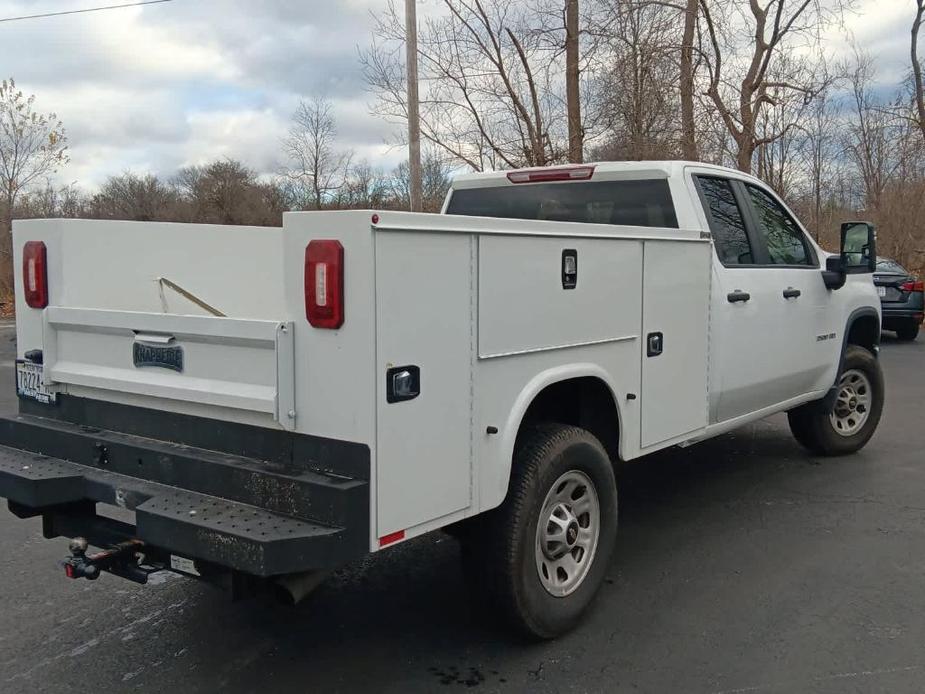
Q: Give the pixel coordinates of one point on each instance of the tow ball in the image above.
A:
(123, 559)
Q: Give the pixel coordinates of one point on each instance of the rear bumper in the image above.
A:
(913, 313)
(255, 516)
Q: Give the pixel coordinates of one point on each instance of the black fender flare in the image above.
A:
(828, 402)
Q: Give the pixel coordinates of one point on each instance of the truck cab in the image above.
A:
(269, 404)
(776, 325)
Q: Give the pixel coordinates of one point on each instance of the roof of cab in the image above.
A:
(603, 171)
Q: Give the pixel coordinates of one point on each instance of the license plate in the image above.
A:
(881, 291)
(29, 382)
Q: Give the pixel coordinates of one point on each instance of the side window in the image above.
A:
(726, 222)
(785, 242)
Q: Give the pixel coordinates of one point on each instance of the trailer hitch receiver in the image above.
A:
(121, 559)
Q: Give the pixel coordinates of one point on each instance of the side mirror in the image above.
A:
(858, 248)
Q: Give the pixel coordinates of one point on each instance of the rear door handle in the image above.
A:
(737, 296)
(791, 293)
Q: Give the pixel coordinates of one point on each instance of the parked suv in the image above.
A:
(901, 298)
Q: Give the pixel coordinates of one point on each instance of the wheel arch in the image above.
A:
(590, 401)
(862, 329)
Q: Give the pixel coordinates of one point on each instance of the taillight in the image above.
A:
(35, 274)
(913, 286)
(562, 173)
(324, 283)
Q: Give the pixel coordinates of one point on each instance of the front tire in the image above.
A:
(848, 426)
(907, 331)
(540, 558)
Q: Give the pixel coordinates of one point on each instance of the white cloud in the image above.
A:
(188, 81)
(881, 28)
(249, 135)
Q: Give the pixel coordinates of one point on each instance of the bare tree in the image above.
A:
(436, 179)
(638, 91)
(776, 157)
(32, 146)
(780, 129)
(869, 135)
(367, 187)
(315, 163)
(781, 56)
(918, 87)
(49, 201)
(819, 150)
(130, 196)
(490, 82)
(227, 192)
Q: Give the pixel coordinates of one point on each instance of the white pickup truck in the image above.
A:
(268, 404)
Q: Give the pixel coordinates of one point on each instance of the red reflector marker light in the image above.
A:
(35, 274)
(391, 537)
(563, 173)
(324, 284)
(913, 286)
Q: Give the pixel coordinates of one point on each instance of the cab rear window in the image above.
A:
(644, 203)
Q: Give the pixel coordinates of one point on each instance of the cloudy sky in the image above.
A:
(187, 81)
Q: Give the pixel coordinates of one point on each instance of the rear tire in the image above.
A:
(539, 559)
(848, 426)
(907, 331)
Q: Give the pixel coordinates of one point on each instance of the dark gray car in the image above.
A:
(901, 298)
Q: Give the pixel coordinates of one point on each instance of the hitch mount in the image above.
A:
(125, 559)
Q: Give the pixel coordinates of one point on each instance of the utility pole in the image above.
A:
(414, 122)
(572, 94)
(688, 125)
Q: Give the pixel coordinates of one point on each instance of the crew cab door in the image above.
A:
(768, 297)
(791, 265)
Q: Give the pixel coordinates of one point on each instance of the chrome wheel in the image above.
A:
(567, 533)
(853, 403)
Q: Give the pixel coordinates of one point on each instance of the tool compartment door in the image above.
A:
(676, 311)
(424, 319)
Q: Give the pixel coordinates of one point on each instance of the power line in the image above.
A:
(88, 9)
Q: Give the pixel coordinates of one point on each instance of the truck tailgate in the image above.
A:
(233, 363)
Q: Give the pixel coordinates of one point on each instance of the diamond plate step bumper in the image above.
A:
(249, 515)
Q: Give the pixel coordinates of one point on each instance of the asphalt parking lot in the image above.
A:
(743, 565)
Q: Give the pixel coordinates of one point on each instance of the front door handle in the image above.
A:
(791, 293)
(737, 296)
